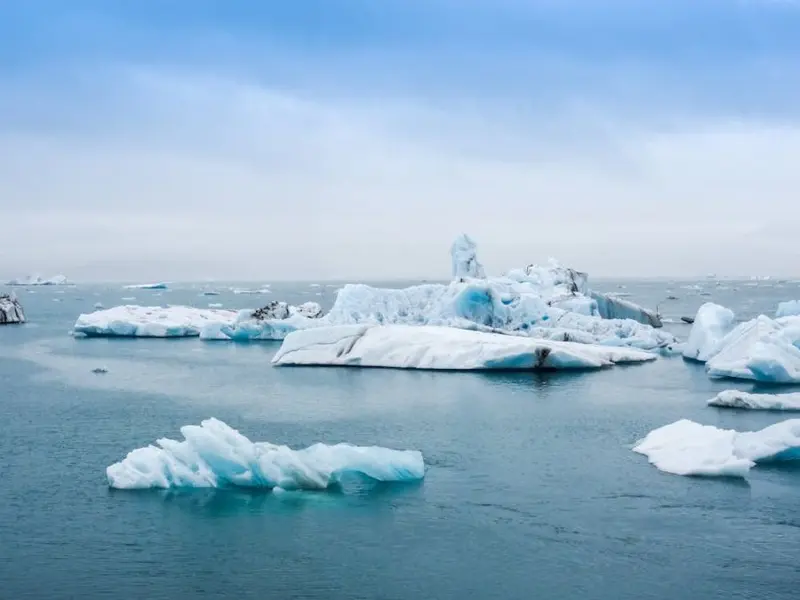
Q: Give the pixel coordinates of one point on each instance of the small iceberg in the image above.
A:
(709, 327)
(274, 321)
(688, 448)
(10, 310)
(743, 400)
(149, 321)
(147, 286)
(442, 348)
(214, 455)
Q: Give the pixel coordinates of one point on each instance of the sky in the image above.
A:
(354, 139)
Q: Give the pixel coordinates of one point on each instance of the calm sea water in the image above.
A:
(532, 489)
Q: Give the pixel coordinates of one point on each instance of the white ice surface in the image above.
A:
(445, 348)
(688, 448)
(275, 324)
(215, 455)
(739, 399)
(790, 308)
(711, 324)
(149, 321)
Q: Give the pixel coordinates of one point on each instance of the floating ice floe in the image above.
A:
(10, 310)
(34, 280)
(788, 309)
(688, 448)
(147, 286)
(442, 348)
(214, 455)
(272, 322)
(762, 349)
(744, 400)
(149, 321)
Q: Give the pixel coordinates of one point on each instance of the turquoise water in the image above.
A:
(532, 490)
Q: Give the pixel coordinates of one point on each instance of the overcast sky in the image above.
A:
(312, 139)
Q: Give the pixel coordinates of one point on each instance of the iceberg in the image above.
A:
(612, 307)
(147, 286)
(10, 310)
(464, 255)
(149, 321)
(274, 321)
(710, 326)
(738, 399)
(442, 348)
(688, 448)
(788, 309)
(39, 280)
(214, 455)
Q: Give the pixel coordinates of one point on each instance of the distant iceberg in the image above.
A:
(739, 399)
(39, 280)
(688, 448)
(10, 310)
(147, 286)
(149, 321)
(442, 348)
(214, 455)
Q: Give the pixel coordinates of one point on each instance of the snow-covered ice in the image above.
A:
(442, 348)
(790, 308)
(10, 310)
(688, 448)
(149, 321)
(739, 399)
(147, 286)
(272, 322)
(214, 455)
(711, 324)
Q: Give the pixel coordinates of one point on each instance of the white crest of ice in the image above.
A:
(214, 455)
(739, 399)
(790, 308)
(712, 323)
(443, 348)
(688, 448)
(464, 255)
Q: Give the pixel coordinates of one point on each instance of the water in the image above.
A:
(532, 489)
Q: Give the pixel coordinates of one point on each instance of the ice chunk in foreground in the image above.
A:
(10, 310)
(788, 309)
(214, 455)
(738, 399)
(149, 321)
(711, 324)
(445, 348)
(147, 286)
(688, 448)
(464, 254)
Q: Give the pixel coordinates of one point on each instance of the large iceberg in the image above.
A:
(712, 323)
(149, 321)
(39, 280)
(442, 348)
(688, 448)
(739, 399)
(10, 310)
(214, 455)
(274, 321)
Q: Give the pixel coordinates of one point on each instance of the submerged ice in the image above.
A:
(688, 448)
(214, 455)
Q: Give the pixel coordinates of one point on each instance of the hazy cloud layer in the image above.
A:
(357, 143)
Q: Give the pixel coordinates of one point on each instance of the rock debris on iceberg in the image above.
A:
(543, 302)
(762, 349)
(688, 448)
(442, 348)
(10, 310)
(274, 321)
(214, 455)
